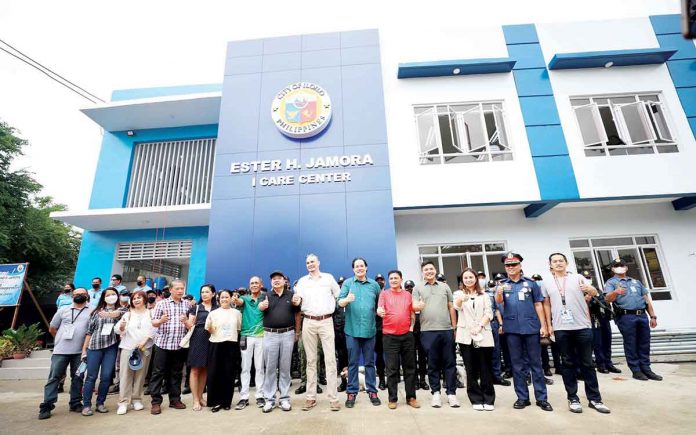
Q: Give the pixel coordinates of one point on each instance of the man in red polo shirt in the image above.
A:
(396, 308)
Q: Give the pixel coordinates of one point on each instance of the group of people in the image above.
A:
(410, 328)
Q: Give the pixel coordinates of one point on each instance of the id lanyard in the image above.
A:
(74, 317)
(561, 290)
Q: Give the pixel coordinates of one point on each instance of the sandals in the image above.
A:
(197, 407)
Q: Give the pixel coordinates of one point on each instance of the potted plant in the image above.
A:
(23, 339)
(6, 348)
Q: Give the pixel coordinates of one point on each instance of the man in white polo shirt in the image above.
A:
(318, 291)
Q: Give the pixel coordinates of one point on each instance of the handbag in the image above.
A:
(185, 341)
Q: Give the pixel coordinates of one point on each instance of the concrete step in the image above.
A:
(23, 373)
(41, 354)
(27, 363)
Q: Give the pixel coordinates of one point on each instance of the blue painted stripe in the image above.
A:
(552, 164)
(686, 203)
(598, 59)
(539, 208)
(682, 66)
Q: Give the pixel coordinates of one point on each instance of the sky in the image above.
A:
(106, 45)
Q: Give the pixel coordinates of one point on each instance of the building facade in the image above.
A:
(399, 146)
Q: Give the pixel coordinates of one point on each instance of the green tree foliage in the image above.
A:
(27, 233)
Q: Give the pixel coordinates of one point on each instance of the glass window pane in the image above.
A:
(635, 266)
(668, 149)
(494, 264)
(657, 278)
(612, 241)
(660, 123)
(636, 123)
(465, 158)
(473, 130)
(427, 132)
(621, 100)
(451, 249)
(425, 250)
(661, 296)
(610, 126)
(501, 139)
(580, 243)
(495, 247)
(604, 259)
(579, 102)
(648, 98)
(589, 121)
(504, 157)
(448, 137)
(452, 267)
(476, 262)
(583, 261)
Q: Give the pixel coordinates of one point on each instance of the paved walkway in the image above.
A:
(667, 407)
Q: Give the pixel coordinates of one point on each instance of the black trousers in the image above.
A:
(576, 349)
(421, 357)
(223, 368)
(379, 354)
(400, 348)
(545, 362)
(169, 365)
(341, 349)
(478, 362)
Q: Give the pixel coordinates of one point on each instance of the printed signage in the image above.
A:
(301, 110)
(11, 283)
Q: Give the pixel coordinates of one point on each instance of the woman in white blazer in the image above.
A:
(475, 340)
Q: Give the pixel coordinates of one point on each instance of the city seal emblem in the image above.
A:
(301, 110)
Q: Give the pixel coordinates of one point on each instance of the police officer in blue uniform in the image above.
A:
(601, 314)
(495, 328)
(524, 322)
(631, 304)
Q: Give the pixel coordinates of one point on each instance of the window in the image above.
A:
(623, 125)
(641, 254)
(171, 173)
(462, 133)
(452, 259)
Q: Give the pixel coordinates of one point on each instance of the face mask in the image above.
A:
(80, 299)
(140, 283)
(166, 295)
(125, 298)
(482, 283)
(111, 299)
(151, 299)
(95, 286)
(620, 270)
(67, 290)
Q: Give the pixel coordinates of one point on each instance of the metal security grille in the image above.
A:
(154, 250)
(133, 268)
(171, 173)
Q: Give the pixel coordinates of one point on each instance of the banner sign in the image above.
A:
(11, 283)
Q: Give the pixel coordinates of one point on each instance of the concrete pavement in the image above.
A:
(666, 407)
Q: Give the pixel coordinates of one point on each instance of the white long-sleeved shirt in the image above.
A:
(138, 327)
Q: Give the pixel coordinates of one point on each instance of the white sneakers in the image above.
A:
(599, 407)
(285, 405)
(122, 409)
(575, 406)
(453, 402)
(268, 406)
(138, 406)
(488, 407)
(436, 401)
(477, 407)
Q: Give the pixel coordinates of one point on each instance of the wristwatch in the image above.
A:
(653, 317)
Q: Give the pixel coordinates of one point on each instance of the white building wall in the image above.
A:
(536, 238)
(598, 177)
(414, 184)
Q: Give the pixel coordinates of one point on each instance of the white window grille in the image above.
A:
(623, 125)
(642, 255)
(153, 250)
(171, 173)
(453, 258)
(463, 132)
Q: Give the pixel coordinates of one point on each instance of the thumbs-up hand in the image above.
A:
(420, 304)
(296, 299)
(351, 297)
(264, 304)
(381, 312)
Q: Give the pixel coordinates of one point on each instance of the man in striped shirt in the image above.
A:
(169, 317)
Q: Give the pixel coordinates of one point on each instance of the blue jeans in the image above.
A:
(357, 346)
(104, 359)
(59, 363)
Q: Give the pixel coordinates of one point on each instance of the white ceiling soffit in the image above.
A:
(161, 112)
(110, 219)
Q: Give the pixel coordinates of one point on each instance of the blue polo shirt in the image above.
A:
(635, 290)
(360, 314)
(519, 314)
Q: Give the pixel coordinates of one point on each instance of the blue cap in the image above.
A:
(135, 362)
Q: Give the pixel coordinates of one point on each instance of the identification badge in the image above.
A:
(68, 331)
(520, 295)
(227, 330)
(107, 328)
(566, 317)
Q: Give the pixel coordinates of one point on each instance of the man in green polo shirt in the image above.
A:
(252, 334)
(359, 296)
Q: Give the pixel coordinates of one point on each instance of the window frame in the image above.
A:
(439, 255)
(663, 293)
(654, 146)
(486, 155)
